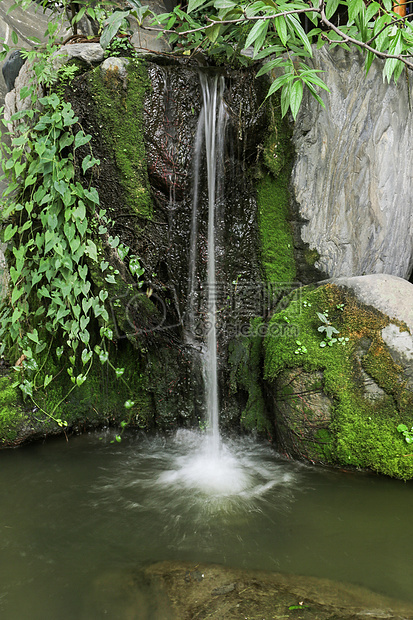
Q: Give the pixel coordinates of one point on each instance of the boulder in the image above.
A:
(351, 180)
(341, 381)
(212, 591)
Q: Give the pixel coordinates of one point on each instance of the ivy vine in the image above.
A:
(51, 225)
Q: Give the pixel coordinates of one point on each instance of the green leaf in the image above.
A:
(255, 32)
(281, 28)
(113, 24)
(89, 162)
(9, 232)
(66, 140)
(81, 139)
(60, 187)
(86, 355)
(16, 294)
(195, 4)
(129, 404)
(296, 96)
(135, 266)
(92, 194)
(354, 8)
(34, 336)
(50, 240)
(14, 37)
(299, 31)
(212, 32)
(80, 379)
(47, 380)
(91, 250)
(270, 66)
(103, 357)
(17, 313)
(331, 7)
(372, 10)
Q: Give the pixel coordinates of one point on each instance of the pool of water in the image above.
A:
(74, 512)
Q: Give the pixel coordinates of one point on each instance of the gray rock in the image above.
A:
(11, 68)
(342, 405)
(389, 294)
(394, 297)
(148, 41)
(90, 53)
(12, 102)
(116, 64)
(352, 179)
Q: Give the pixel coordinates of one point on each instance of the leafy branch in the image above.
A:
(273, 31)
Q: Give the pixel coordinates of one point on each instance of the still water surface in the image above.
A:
(73, 514)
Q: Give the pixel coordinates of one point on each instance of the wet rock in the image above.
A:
(11, 68)
(225, 589)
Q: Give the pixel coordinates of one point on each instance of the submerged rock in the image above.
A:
(233, 593)
(343, 382)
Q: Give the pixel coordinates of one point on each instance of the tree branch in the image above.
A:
(240, 20)
(323, 19)
(347, 39)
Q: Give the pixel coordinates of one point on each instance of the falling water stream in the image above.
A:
(214, 144)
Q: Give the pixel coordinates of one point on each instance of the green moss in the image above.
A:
(245, 362)
(311, 257)
(120, 109)
(11, 414)
(362, 432)
(277, 244)
(100, 399)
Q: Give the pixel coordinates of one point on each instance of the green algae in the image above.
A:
(100, 399)
(11, 414)
(273, 200)
(361, 431)
(120, 108)
(245, 362)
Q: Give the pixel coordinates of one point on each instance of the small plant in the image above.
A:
(306, 304)
(329, 330)
(407, 434)
(301, 349)
(203, 425)
(120, 47)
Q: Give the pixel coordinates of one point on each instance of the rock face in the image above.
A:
(339, 401)
(145, 183)
(351, 179)
(143, 119)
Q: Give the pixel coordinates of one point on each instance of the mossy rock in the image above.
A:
(339, 402)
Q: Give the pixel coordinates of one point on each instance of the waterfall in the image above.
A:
(212, 125)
